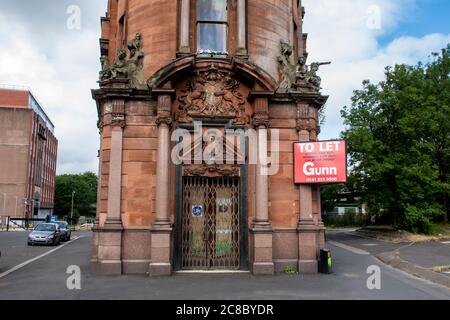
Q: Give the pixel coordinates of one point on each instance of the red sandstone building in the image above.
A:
(229, 65)
(28, 151)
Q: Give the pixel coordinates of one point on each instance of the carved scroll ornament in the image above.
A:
(211, 171)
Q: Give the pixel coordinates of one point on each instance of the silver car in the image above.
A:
(45, 233)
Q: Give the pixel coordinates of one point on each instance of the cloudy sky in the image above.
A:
(60, 64)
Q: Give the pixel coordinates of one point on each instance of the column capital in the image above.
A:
(118, 120)
(261, 122)
(164, 120)
(309, 125)
(261, 115)
(307, 118)
(164, 110)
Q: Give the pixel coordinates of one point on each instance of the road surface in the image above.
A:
(45, 278)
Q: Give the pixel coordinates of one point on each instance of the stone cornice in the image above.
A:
(254, 94)
(317, 99)
(114, 92)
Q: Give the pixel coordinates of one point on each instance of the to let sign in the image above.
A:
(320, 162)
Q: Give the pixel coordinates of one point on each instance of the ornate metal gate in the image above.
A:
(210, 236)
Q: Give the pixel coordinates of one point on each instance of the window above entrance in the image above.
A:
(212, 26)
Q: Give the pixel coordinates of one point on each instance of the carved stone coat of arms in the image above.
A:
(212, 94)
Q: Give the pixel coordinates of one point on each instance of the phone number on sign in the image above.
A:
(321, 180)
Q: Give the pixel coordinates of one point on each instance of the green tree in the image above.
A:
(398, 135)
(329, 196)
(85, 196)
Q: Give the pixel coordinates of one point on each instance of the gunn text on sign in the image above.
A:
(320, 162)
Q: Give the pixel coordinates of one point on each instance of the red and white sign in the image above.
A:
(320, 162)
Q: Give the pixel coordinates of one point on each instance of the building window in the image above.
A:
(212, 25)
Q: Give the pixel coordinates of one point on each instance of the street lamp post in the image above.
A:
(71, 212)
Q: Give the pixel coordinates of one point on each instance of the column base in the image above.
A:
(242, 53)
(106, 267)
(107, 255)
(135, 266)
(308, 237)
(262, 246)
(263, 268)
(160, 269)
(160, 265)
(308, 266)
(185, 53)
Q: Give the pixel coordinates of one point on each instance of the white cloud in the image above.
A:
(338, 31)
(61, 73)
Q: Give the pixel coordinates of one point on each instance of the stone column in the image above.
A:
(184, 26)
(307, 229)
(262, 180)
(162, 230)
(110, 235)
(262, 234)
(94, 258)
(313, 136)
(242, 29)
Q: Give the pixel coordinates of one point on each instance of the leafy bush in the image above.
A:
(419, 220)
(349, 219)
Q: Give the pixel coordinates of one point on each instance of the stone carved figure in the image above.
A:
(123, 68)
(212, 94)
(135, 47)
(119, 68)
(311, 76)
(298, 77)
(287, 69)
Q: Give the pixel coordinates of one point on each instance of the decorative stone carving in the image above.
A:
(211, 171)
(261, 122)
(298, 77)
(118, 119)
(129, 69)
(310, 75)
(307, 118)
(261, 115)
(167, 120)
(212, 94)
(287, 69)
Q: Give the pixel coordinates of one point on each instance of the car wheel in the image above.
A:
(30, 244)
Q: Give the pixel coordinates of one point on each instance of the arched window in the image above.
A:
(212, 25)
